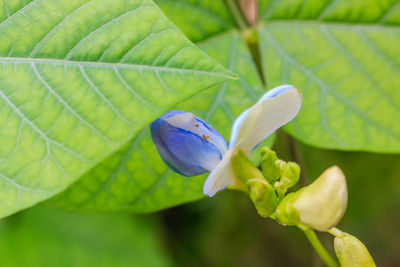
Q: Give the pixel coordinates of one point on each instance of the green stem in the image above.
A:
(319, 248)
(249, 34)
(336, 232)
(237, 14)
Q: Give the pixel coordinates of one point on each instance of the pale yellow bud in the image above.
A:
(322, 204)
(351, 252)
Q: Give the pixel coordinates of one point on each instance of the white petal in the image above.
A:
(277, 107)
(220, 177)
(236, 127)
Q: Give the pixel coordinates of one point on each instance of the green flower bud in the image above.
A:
(351, 252)
(322, 204)
(280, 164)
(269, 168)
(290, 175)
(263, 195)
(285, 213)
(243, 168)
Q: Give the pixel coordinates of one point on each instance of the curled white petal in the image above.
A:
(277, 107)
(220, 177)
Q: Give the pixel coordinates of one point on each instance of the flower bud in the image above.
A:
(269, 169)
(263, 196)
(351, 252)
(322, 204)
(186, 143)
(290, 175)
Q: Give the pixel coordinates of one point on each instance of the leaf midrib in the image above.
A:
(111, 65)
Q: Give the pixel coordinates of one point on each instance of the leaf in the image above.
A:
(78, 80)
(48, 237)
(344, 57)
(198, 19)
(136, 179)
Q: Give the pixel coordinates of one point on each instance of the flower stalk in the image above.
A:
(318, 247)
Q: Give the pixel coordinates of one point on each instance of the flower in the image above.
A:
(187, 144)
(323, 203)
(319, 205)
(191, 150)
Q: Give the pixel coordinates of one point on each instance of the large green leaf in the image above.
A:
(80, 78)
(344, 57)
(48, 237)
(136, 179)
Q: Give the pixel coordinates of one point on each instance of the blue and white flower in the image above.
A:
(190, 146)
(187, 144)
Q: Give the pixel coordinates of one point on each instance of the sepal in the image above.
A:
(243, 168)
(285, 213)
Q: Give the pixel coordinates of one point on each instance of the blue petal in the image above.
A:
(183, 150)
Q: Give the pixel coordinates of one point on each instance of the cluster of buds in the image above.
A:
(319, 206)
(267, 186)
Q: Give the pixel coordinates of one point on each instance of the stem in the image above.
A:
(249, 34)
(319, 248)
(336, 232)
(237, 14)
(252, 40)
(281, 193)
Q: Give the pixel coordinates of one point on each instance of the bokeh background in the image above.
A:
(220, 231)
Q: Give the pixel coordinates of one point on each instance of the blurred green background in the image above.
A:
(220, 231)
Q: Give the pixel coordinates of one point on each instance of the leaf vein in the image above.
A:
(40, 43)
(65, 104)
(71, 51)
